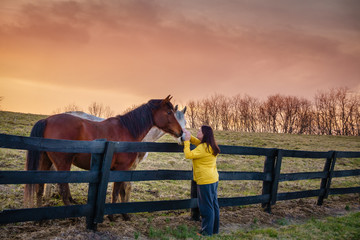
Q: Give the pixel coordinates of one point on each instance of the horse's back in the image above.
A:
(69, 127)
(64, 126)
(84, 115)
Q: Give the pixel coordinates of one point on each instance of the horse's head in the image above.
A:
(164, 118)
(180, 116)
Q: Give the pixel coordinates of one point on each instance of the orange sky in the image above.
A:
(121, 53)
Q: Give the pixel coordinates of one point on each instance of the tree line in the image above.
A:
(332, 112)
(95, 108)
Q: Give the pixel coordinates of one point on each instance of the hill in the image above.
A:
(18, 123)
(284, 213)
(21, 124)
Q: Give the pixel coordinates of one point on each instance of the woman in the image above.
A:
(205, 175)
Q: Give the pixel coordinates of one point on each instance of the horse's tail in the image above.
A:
(32, 162)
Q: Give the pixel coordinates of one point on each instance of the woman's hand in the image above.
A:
(187, 136)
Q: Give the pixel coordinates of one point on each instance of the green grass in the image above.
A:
(18, 123)
(336, 228)
(179, 232)
(345, 227)
(21, 124)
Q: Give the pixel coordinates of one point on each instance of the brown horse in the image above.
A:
(132, 127)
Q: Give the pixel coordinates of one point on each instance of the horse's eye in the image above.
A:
(169, 112)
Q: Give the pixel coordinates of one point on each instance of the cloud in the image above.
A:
(149, 48)
(57, 23)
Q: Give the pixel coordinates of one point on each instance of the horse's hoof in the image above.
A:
(111, 218)
(126, 217)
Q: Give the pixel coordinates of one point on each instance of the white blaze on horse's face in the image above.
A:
(180, 117)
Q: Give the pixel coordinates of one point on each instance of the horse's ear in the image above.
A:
(184, 110)
(176, 108)
(167, 99)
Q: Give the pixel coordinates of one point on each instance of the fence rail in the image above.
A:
(100, 175)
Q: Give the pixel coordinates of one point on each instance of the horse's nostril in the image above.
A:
(182, 137)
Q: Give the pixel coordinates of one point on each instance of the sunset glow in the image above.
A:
(123, 53)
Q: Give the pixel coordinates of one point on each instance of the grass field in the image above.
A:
(20, 124)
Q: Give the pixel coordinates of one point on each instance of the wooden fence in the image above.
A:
(100, 174)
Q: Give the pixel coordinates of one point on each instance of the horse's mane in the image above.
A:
(140, 119)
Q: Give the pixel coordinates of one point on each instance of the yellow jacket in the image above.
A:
(204, 162)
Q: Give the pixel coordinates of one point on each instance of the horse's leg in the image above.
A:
(125, 187)
(62, 162)
(125, 190)
(73, 201)
(64, 191)
(48, 186)
(115, 196)
(44, 165)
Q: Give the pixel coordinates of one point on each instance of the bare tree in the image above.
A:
(72, 107)
(225, 113)
(272, 110)
(108, 112)
(263, 119)
(336, 111)
(236, 103)
(248, 113)
(356, 116)
(325, 103)
(321, 113)
(192, 113)
(305, 120)
(204, 112)
(214, 110)
(98, 110)
(253, 106)
(289, 110)
(346, 106)
(243, 118)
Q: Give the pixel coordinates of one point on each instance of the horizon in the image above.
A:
(181, 105)
(123, 53)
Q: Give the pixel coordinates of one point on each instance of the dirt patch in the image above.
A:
(231, 219)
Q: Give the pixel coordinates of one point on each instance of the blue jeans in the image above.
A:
(209, 208)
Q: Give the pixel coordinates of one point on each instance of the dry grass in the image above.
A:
(20, 124)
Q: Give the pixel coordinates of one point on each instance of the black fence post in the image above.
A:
(268, 169)
(195, 212)
(92, 193)
(276, 175)
(326, 182)
(103, 183)
(95, 166)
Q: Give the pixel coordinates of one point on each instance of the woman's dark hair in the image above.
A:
(209, 139)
